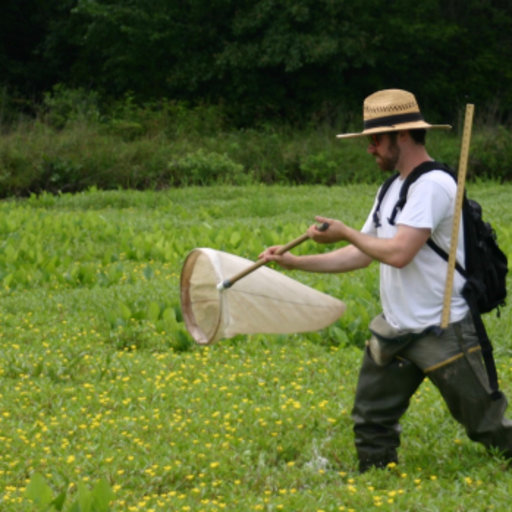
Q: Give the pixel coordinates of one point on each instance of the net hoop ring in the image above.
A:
(202, 335)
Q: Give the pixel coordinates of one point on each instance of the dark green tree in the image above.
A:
(265, 59)
(29, 61)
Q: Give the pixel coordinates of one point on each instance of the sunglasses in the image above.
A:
(375, 139)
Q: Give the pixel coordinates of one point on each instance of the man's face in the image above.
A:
(384, 148)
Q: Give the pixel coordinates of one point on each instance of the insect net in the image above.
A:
(264, 301)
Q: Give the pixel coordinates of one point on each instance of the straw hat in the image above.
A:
(391, 110)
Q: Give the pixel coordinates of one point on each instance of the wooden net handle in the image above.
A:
(227, 283)
(461, 181)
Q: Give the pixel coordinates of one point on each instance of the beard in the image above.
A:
(389, 162)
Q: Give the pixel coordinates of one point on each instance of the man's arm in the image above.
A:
(363, 249)
(397, 251)
(344, 259)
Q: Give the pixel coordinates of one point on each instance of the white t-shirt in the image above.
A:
(412, 297)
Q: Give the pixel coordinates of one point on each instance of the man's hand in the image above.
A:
(285, 260)
(335, 232)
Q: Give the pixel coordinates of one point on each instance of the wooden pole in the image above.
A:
(227, 283)
(461, 181)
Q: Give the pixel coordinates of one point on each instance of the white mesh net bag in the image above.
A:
(264, 301)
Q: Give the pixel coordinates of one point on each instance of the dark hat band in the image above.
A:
(393, 120)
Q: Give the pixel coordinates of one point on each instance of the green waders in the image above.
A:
(453, 362)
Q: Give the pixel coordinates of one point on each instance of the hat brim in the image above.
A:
(416, 125)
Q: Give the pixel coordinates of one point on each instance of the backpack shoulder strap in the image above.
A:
(441, 252)
(382, 192)
(413, 176)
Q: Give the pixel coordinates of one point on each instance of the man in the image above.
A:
(405, 345)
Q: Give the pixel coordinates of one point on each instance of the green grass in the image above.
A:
(99, 381)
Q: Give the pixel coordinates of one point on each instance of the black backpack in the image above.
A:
(485, 267)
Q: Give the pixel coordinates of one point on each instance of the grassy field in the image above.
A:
(105, 398)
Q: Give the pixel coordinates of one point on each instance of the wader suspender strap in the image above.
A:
(486, 346)
(483, 338)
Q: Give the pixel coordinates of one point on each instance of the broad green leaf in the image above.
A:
(153, 312)
(235, 239)
(58, 502)
(8, 279)
(84, 498)
(39, 491)
(125, 311)
(102, 495)
(168, 321)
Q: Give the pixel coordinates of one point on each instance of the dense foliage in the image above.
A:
(266, 58)
(74, 145)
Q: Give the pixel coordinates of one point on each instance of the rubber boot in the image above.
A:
(382, 396)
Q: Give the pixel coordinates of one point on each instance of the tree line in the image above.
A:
(262, 60)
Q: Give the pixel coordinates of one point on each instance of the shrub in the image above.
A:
(491, 155)
(62, 105)
(72, 146)
(165, 117)
(349, 165)
(205, 168)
